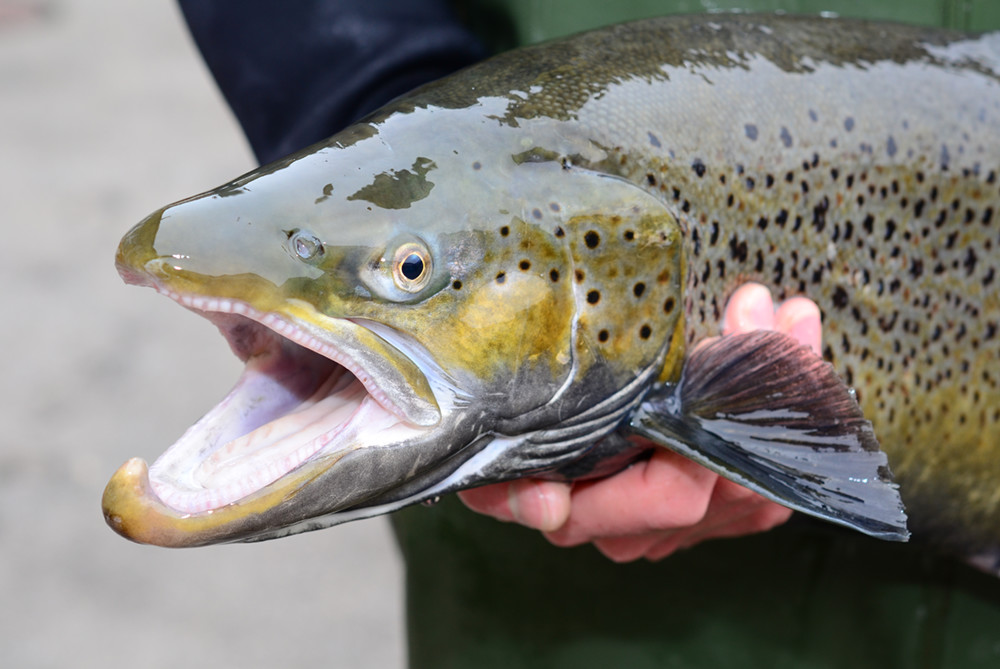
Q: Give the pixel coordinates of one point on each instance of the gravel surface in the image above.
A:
(106, 112)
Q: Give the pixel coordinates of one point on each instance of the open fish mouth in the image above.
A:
(301, 404)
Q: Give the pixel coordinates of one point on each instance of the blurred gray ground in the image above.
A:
(106, 113)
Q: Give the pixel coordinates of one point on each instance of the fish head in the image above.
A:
(425, 303)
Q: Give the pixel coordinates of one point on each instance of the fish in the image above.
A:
(505, 274)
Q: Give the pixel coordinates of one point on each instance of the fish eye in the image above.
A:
(411, 267)
(306, 246)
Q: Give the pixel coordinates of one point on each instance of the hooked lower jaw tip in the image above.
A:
(133, 510)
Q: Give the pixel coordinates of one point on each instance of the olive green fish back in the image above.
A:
(854, 163)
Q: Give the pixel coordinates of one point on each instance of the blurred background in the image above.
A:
(106, 113)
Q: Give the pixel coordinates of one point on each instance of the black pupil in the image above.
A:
(412, 267)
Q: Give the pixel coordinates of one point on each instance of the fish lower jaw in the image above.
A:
(240, 468)
(299, 404)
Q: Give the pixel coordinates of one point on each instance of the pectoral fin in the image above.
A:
(763, 411)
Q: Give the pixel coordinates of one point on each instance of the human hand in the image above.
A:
(665, 503)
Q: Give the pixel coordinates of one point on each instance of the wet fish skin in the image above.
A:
(653, 167)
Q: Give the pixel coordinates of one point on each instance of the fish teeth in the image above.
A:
(288, 330)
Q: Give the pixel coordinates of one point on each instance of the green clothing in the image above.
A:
(485, 594)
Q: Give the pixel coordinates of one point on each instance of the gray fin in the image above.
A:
(767, 413)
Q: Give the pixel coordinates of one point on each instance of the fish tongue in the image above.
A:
(278, 446)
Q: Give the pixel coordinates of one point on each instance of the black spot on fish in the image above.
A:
(668, 305)
(554, 275)
(945, 157)
(593, 297)
(786, 137)
(890, 229)
(645, 331)
(969, 263)
(579, 276)
(819, 214)
(650, 179)
(602, 336)
(504, 231)
(456, 284)
(887, 324)
(560, 232)
(782, 217)
(501, 277)
(525, 265)
(537, 213)
(849, 123)
(738, 249)
(812, 116)
(891, 147)
(638, 289)
(629, 235)
(653, 139)
(751, 131)
(698, 167)
(916, 268)
(592, 239)
(840, 297)
(554, 206)
(477, 165)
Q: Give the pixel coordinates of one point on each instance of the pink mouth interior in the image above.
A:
(289, 405)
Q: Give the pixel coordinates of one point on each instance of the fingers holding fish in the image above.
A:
(540, 505)
(752, 308)
(665, 492)
(799, 318)
(733, 511)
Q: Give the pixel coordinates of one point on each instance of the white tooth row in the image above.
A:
(247, 464)
(289, 331)
(282, 444)
(246, 475)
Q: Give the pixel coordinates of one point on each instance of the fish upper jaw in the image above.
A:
(313, 392)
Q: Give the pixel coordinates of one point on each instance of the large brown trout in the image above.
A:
(504, 273)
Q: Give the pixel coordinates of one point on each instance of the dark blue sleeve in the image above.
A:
(296, 72)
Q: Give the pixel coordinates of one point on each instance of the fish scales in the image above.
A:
(670, 161)
(857, 166)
